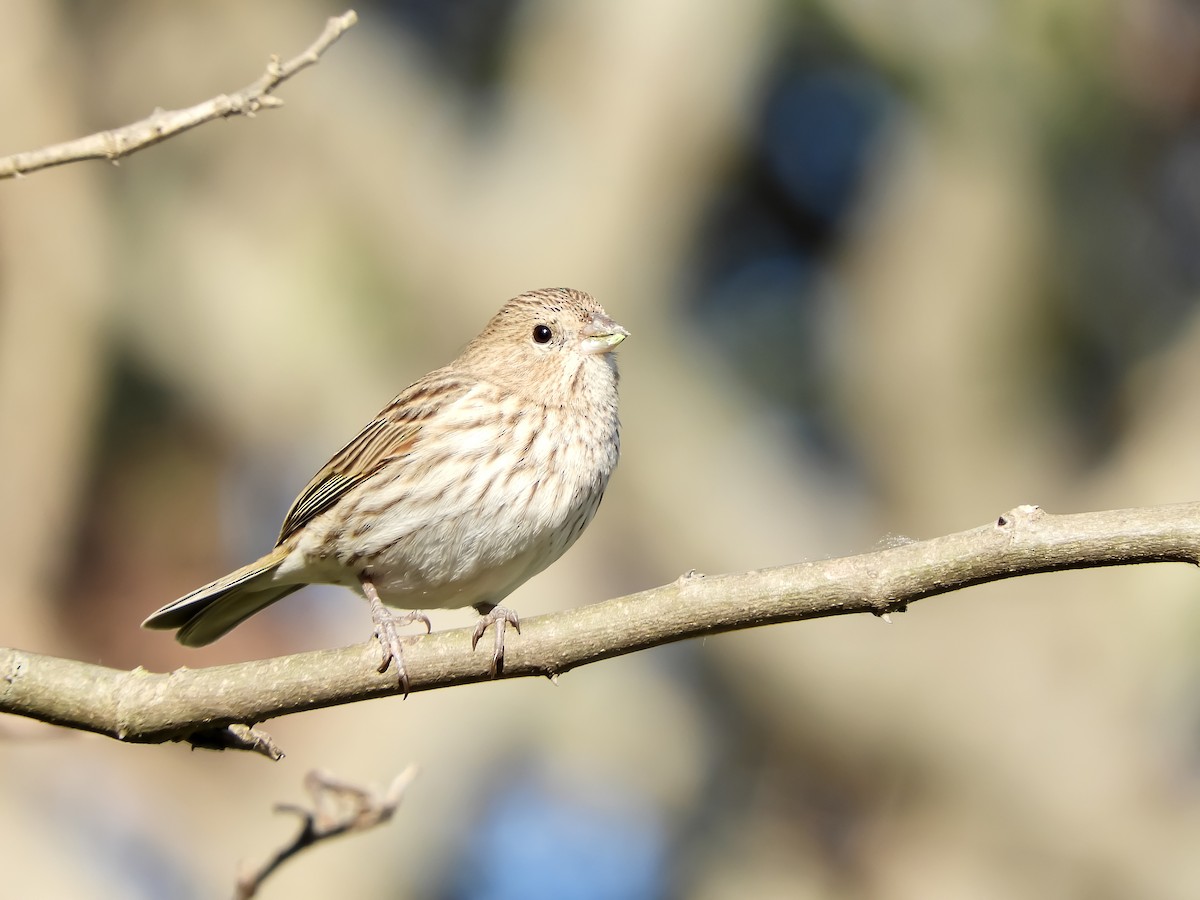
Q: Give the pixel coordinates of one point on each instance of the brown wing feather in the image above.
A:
(391, 435)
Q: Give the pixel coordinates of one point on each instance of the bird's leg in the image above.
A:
(501, 618)
(386, 624)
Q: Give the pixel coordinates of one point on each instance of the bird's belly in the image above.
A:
(410, 587)
(475, 558)
(427, 541)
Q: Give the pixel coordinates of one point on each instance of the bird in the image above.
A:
(468, 483)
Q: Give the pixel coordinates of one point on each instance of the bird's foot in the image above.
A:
(387, 625)
(501, 618)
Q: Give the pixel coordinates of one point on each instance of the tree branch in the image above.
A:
(162, 124)
(204, 705)
(338, 808)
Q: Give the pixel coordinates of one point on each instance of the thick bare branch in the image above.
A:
(193, 704)
(162, 124)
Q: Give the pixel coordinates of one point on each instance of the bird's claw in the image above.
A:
(415, 616)
(386, 630)
(501, 617)
(387, 633)
(389, 641)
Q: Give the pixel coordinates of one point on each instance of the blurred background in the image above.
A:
(891, 267)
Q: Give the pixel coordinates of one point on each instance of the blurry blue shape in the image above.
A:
(533, 842)
(766, 324)
(817, 133)
(760, 283)
(101, 836)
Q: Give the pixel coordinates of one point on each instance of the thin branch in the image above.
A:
(145, 707)
(338, 808)
(162, 124)
(236, 737)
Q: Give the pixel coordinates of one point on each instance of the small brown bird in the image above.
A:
(469, 483)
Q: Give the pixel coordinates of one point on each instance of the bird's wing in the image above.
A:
(391, 435)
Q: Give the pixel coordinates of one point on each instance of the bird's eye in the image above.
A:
(542, 334)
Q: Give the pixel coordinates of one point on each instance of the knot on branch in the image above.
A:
(1019, 515)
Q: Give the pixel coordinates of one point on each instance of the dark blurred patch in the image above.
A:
(1123, 189)
(760, 287)
(817, 130)
(1122, 166)
(465, 41)
(147, 528)
(807, 793)
(1175, 194)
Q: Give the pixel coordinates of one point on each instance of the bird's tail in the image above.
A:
(209, 612)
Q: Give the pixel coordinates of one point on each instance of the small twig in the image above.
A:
(162, 124)
(236, 737)
(338, 807)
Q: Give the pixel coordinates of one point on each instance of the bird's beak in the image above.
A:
(602, 335)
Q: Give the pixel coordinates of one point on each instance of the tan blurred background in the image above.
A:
(890, 267)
